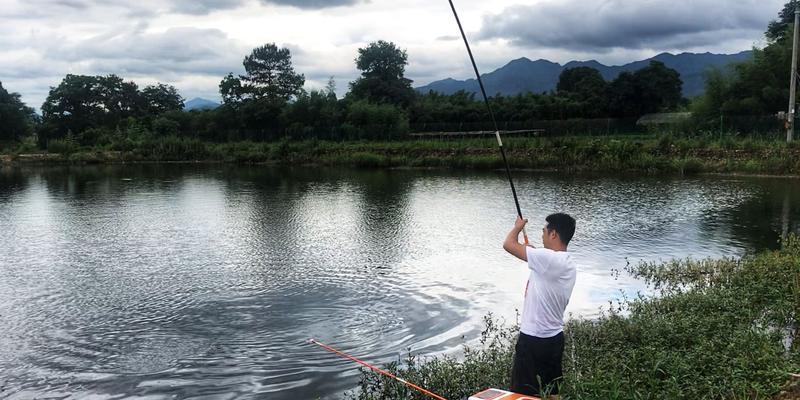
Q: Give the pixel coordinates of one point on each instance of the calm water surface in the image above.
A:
(207, 281)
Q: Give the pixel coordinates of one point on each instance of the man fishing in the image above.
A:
(540, 346)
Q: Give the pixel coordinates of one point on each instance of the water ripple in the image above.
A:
(206, 282)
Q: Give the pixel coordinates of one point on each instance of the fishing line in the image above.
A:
(378, 370)
(491, 114)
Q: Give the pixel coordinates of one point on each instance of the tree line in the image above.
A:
(268, 101)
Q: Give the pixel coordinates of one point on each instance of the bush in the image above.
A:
(374, 121)
(27, 145)
(66, 145)
(173, 148)
(166, 127)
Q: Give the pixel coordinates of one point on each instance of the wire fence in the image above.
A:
(726, 126)
(569, 127)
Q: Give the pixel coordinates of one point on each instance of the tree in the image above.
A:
(382, 79)
(81, 102)
(660, 87)
(119, 99)
(330, 88)
(314, 114)
(777, 29)
(161, 98)
(230, 88)
(16, 119)
(584, 82)
(759, 86)
(72, 106)
(586, 88)
(365, 120)
(651, 89)
(269, 74)
(259, 97)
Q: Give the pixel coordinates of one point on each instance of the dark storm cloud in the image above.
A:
(600, 25)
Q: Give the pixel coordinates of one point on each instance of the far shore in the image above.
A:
(644, 154)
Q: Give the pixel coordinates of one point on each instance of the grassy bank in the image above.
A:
(643, 153)
(717, 329)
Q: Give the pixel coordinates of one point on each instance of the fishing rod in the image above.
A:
(491, 114)
(376, 369)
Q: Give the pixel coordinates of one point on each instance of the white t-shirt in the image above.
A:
(549, 288)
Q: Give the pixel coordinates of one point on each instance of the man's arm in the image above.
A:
(512, 244)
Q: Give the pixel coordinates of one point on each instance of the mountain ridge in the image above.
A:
(199, 103)
(522, 75)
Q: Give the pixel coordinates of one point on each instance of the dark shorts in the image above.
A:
(537, 364)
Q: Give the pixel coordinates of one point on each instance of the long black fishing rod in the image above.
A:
(491, 114)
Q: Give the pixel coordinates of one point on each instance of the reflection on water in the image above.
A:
(208, 280)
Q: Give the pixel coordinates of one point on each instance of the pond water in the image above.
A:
(206, 281)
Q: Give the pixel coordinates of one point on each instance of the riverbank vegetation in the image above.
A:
(712, 329)
(654, 154)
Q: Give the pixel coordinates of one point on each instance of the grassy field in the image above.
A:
(716, 329)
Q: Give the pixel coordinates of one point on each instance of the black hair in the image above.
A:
(563, 224)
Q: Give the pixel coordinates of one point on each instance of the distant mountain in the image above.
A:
(198, 103)
(523, 75)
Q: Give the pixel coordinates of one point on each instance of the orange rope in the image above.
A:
(378, 370)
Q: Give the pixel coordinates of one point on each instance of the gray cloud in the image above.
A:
(202, 7)
(176, 56)
(79, 11)
(34, 9)
(77, 4)
(43, 40)
(177, 50)
(312, 4)
(601, 25)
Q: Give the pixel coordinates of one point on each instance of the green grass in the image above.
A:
(634, 153)
(714, 330)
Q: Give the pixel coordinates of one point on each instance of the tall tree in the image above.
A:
(586, 88)
(777, 29)
(269, 74)
(231, 90)
(584, 82)
(82, 102)
(759, 86)
(382, 80)
(651, 89)
(161, 98)
(73, 106)
(258, 98)
(659, 86)
(16, 119)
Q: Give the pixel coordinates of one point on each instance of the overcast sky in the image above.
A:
(192, 44)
